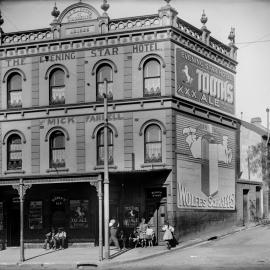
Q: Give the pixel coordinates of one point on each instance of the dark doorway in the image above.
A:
(155, 214)
(258, 203)
(13, 223)
(245, 206)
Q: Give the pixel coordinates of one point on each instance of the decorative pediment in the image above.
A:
(78, 12)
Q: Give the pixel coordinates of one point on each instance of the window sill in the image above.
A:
(101, 167)
(57, 170)
(153, 165)
(14, 172)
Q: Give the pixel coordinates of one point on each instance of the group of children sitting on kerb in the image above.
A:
(55, 240)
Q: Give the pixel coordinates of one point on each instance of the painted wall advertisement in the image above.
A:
(78, 214)
(1, 217)
(203, 82)
(131, 216)
(35, 215)
(205, 165)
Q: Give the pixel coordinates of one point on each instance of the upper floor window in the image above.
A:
(100, 147)
(152, 144)
(57, 150)
(14, 152)
(14, 91)
(104, 72)
(57, 87)
(151, 78)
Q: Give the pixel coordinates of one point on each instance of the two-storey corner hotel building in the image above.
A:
(172, 131)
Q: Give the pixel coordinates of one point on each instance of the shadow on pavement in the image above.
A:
(120, 252)
(40, 255)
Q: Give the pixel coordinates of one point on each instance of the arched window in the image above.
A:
(100, 147)
(57, 150)
(14, 152)
(152, 144)
(57, 87)
(104, 72)
(14, 91)
(151, 78)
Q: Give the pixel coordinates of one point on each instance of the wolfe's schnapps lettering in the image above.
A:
(186, 199)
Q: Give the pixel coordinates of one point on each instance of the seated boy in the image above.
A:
(134, 239)
(60, 238)
(49, 240)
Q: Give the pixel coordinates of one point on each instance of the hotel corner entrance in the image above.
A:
(156, 210)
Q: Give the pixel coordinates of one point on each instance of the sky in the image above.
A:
(251, 19)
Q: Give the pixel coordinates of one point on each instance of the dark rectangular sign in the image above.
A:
(203, 82)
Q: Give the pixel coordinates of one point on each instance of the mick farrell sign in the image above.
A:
(203, 82)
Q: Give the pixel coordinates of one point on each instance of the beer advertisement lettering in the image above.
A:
(78, 214)
(204, 82)
(205, 165)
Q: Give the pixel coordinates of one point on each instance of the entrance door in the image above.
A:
(245, 206)
(258, 203)
(13, 226)
(156, 212)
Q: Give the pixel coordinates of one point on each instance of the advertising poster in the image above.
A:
(1, 217)
(131, 216)
(205, 165)
(204, 82)
(78, 214)
(35, 215)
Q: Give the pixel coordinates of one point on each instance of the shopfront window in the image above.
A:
(14, 152)
(1, 217)
(104, 73)
(100, 147)
(35, 215)
(57, 87)
(57, 150)
(14, 91)
(151, 74)
(152, 141)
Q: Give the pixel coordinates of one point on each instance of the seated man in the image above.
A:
(134, 239)
(49, 241)
(60, 238)
(122, 239)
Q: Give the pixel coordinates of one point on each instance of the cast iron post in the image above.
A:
(100, 210)
(106, 174)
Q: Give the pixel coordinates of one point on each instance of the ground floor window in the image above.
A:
(35, 215)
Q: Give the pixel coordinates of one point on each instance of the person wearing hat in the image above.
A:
(113, 225)
(60, 238)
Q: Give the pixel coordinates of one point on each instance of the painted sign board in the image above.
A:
(205, 165)
(79, 214)
(203, 82)
(35, 215)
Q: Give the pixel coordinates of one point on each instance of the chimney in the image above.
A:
(256, 121)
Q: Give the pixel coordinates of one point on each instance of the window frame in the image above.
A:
(151, 77)
(53, 135)
(9, 90)
(100, 132)
(146, 159)
(52, 87)
(9, 152)
(99, 83)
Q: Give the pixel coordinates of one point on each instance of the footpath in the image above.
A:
(76, 257)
